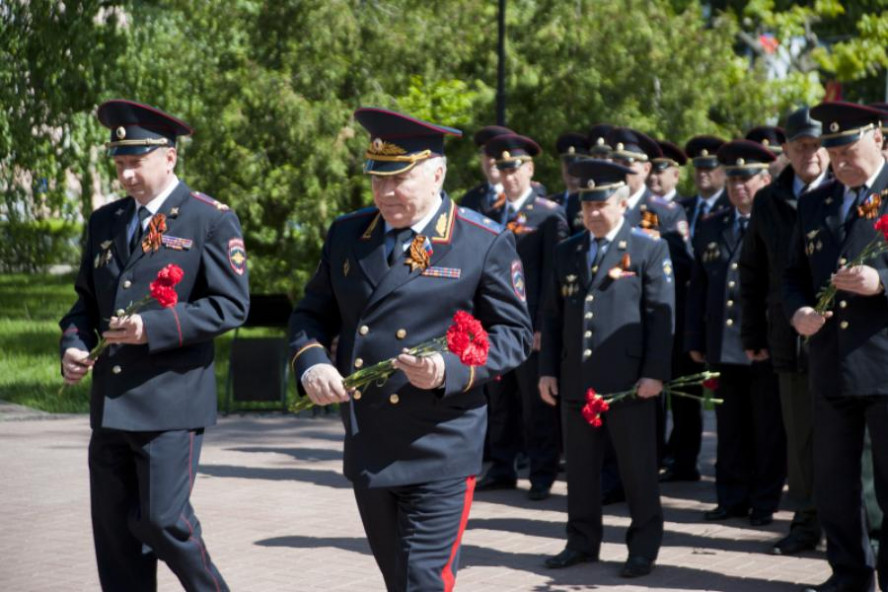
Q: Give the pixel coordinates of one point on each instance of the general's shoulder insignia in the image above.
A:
(518, 284)
(237, 255)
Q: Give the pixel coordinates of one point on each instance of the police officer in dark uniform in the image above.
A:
(571, 146)
(848, 373)
(390, 277)
(538, 225)
(598, 148)
(709, 179)
(608, 326)
(750, 464)
(666, 171)
(154, 388)
(765, 326)
(482, 196)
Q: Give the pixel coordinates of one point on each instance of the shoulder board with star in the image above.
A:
(545, 203)
(664, 203)
(203, 197)
(479, 220)
(635, 231)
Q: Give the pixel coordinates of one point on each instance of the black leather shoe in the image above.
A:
(613, 497)
(834, 584)
(720, 513)
(636, 566)
(793, 544)
(670, 475)
(760, 518)
(537, 493)
(567, 558)
(488, 483)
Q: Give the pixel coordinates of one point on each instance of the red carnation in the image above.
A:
(711, 384)
(170, 275)
(882, 225)
(467, 339)
(162, 287)
(594, 407)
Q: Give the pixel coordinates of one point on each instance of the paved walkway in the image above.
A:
(279, 516)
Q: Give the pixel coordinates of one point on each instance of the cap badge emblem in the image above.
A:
(590, 183)
(506, 155)
(600, 141)
(741, 161)
(834, 126)
(571, 150)
(765, 142)
(619, 145)
(120, 132)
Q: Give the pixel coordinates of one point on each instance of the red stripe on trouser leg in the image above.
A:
(447, 573)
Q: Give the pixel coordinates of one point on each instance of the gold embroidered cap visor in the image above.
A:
(137, 128)
(599, 179)
(398, 142)
(845, 123)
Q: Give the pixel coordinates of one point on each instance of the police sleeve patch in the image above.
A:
(518, 284)
(237, 256)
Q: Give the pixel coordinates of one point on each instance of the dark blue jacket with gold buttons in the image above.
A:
(168, 383)
(609, 328)
(397, 434)
(713, 306)
(847, 357)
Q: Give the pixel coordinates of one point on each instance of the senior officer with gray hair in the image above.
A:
(154, 389)
(413, 444)
(848, 343)
(608, 325)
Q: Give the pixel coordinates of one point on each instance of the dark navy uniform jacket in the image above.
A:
(693, 207)
(538, 226)
(614, 331)
(847, 357)
(713, 307)
(479, 198)
(397, 434)
(168, 383)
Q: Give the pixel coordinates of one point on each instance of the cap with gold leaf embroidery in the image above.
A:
(398, 142)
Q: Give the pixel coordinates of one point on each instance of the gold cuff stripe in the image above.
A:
(302, 351)
(370, 155)
(471, 379)
(143, 142)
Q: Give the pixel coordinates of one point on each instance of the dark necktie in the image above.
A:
(136, 239)
(742, 223)
(851, 214)
(399, 236)
(601, 247)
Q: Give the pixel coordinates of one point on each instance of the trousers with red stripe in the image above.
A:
(415, 531)
(140, 485)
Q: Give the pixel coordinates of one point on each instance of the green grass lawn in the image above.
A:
(30, 309)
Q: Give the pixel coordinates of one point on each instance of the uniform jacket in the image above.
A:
(713, 307)
(693, 207)
(396, 434)
(606, 333)
(763, 259)
(537, 227)
(847, 356)
(480, 198)
(168, 383)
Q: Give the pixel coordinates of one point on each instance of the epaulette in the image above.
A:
(639, 232)
(545, 202)
(669, 205)
(479, 220)
(203, 197)
(358, 213)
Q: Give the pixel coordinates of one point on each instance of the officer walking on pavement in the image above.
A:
(390, 277)
(750, 464)
(154, 389)
(538, 225)
(847, 343)
(608, 326)
(765, 328)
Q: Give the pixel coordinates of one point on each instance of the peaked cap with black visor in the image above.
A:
(673, 156)
(702, 151)
(139, 129)
(511, 150)
(769, 136)
(745, 158)
(398, 142)
(845, 123)
(599, 179)
(631, 145)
